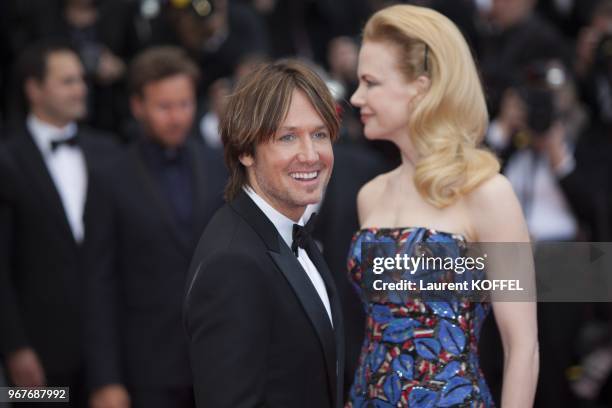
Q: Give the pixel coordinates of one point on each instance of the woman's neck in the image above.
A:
(409, 159)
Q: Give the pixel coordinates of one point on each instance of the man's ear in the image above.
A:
(246, 160)
(32, 90)
(136, 105)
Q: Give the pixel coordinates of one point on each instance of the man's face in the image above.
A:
(292, 169)
(61, 96)
(166, 109)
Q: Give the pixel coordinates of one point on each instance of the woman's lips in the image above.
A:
(365, 117)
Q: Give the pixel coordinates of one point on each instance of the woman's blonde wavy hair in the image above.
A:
(448, 123)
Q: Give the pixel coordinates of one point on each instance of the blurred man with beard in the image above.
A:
(158, 197)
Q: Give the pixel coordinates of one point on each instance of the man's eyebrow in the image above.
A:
(291, 128)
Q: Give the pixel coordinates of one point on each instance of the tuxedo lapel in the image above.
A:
(31, 162)
(317, 259)
(336, 307)
(303, 288)
(89, 153)
(314, 308)
(153, 190)
(249, 212)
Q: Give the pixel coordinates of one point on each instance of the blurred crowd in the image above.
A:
(111, 165)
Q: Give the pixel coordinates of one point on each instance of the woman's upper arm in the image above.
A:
(500, 226)
(496, 212)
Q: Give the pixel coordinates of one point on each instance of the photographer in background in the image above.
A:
(100, 33)
(590, 36)
(587, 185)
(512, 36)
(589, 190)
(538, 123)
(217, 34)
(539, 116)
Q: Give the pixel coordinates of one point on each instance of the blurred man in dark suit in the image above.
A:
(159, 196)
(47, 205)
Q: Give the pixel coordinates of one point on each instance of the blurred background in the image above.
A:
(546, 67)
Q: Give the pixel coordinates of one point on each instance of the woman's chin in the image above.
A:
(374, 135)
(370, 134)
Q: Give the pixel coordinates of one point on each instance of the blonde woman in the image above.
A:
(418, 88)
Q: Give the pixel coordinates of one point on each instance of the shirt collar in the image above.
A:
(44, 133)
(161, 156)
(283, 224)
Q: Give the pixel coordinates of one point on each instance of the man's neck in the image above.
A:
(149, 137)
(292, 215)
(50, 120)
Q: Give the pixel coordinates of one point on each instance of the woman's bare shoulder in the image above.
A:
(495, 211)
(490, 192)
(370, 193)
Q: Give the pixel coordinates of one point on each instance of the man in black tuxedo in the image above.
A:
(261, 309)
(47, 212)
(158, 198)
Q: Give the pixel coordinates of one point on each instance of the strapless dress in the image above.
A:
(416, 353)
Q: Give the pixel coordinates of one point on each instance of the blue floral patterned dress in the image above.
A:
(416, 353)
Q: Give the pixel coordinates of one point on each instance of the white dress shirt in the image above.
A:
(548, 214)
(547, 211)
(284, 226)
(66, 165)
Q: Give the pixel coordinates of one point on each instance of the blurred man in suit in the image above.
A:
(47, 205)
(159, 196)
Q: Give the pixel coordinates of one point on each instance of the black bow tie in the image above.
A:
(302, 235)
(71, 141)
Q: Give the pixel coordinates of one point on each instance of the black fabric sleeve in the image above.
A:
(228, 320)
(12, 331)
(102, 300)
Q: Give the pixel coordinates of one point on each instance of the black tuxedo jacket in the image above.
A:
(135, 292)
(42, 267)
(259, 333)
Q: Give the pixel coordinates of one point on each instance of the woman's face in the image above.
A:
(384, 96)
